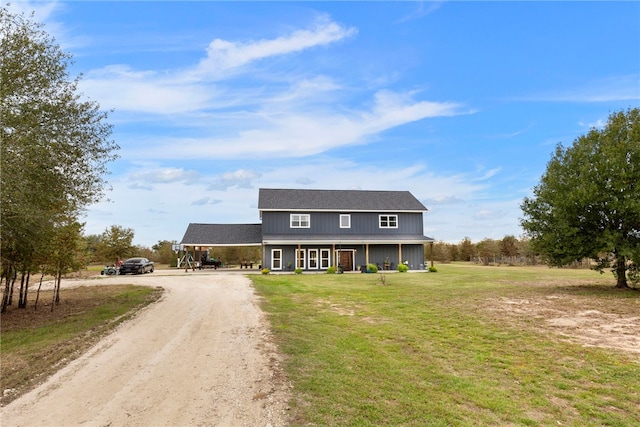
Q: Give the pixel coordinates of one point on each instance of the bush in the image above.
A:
(331, 270)
(298, 271)
(432, 269)
(372, 268)
(265, 271)
(403, 268)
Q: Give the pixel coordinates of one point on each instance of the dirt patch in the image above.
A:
(593, 316)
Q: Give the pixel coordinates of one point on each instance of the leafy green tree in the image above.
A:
(509, 247)
(69, 254)
(92, 241)
(54, 145)
(454, 252)
(525, 249)
(588, 201)
(488, 250)
(163, 251)
(467, 249)
(116, 243)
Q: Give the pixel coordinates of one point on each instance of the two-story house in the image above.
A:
(316, 229)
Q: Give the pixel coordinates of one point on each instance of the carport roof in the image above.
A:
(222, 235)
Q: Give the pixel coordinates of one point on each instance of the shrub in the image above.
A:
(372, 268)
(331, 270)
(432, 269)
(298, 271)
(265, 271)
(403, 268)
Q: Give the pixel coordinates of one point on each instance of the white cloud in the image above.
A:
(192, 89)
(294, 133)
(223, 55)
(240, 178)
(206, 201)
(488, 174)
(42, 11)
(45, 12)
(598, 124)
(442, 200)
(164, 175)
(423, 9)
(291, 116)
(121, 88)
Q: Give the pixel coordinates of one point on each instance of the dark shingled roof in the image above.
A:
(222, 235)
(337, 200)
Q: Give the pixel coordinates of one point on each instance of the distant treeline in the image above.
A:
(507, 251)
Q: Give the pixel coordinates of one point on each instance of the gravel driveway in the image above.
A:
(201, 356)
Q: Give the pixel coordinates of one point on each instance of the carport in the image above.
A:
(200, 237)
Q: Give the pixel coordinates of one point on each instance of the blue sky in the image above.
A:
(461, 103)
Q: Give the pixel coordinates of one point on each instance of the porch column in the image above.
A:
(333, 255)
(431, 244)
(186, 259)
(298, 256)
(399, 254)
(366, 254)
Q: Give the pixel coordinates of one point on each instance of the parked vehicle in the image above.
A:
(109, 270)
(136, 266)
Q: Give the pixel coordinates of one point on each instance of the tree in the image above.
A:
(54, 146)
(509, 247)
(164, 251)
(92, 241)
(488, 250)
(116, 243)
(467, 249)
(588, 201)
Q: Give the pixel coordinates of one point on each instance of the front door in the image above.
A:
(346, 260)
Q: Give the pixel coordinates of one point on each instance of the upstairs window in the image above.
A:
(345, 221)
(300, 221)
(388, 221)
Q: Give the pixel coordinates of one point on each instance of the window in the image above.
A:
(313, 259)
(325, 259)
(300, 221)
(300, 258)
(345, 221)
(388, 221)
(276, 259)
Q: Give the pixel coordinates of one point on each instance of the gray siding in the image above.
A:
(413, 254)
(328, 223)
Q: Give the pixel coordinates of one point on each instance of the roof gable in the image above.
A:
(337, 200)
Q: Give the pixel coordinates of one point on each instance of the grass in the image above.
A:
(36, 343)
(429, 349)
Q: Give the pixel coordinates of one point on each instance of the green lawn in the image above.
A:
(429, 349)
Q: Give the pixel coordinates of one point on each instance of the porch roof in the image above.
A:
(324, 239)
(210, 235)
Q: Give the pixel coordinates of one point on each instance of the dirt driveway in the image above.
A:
(201, 356)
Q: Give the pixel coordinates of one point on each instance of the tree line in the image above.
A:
(509, 250)
(504, 251)
(55, 146)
